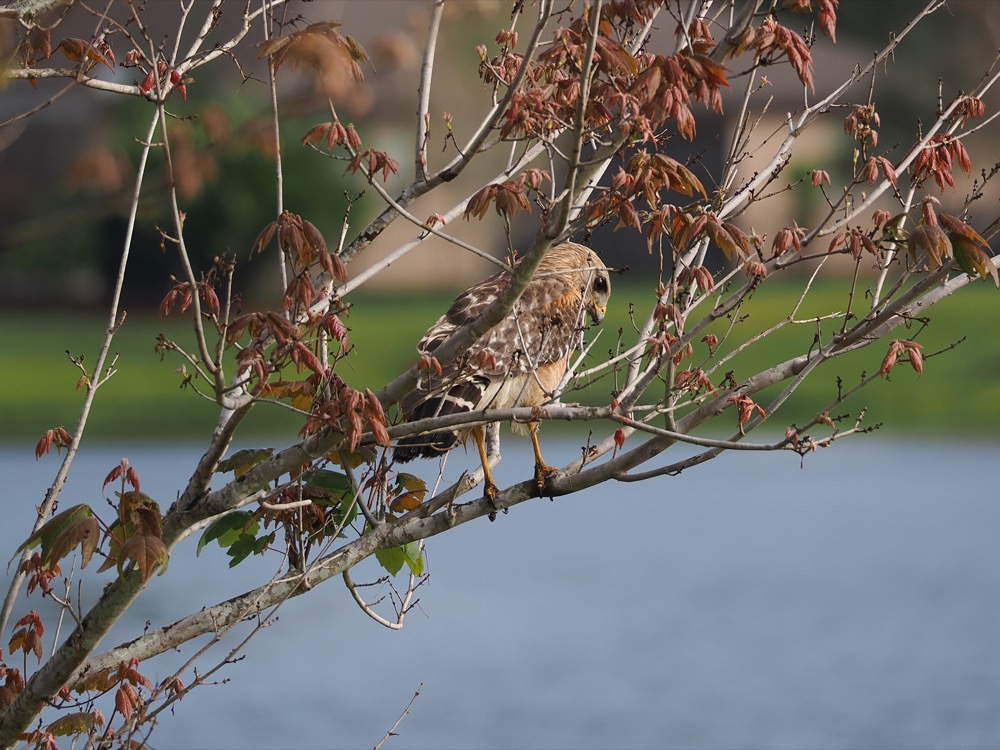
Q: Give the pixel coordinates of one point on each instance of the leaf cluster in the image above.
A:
(319, 47)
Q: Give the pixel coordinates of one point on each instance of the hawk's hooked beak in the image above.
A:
(597, 314)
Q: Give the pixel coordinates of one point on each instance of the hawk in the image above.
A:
(519, 362)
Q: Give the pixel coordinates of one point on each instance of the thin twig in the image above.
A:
(406, 712)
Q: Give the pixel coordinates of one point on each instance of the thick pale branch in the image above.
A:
(30, 11)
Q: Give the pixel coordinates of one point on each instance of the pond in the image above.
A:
(852, 602)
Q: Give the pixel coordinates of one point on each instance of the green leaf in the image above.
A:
(236, 533)
(248, 545)
(393, 558)
(363, 455)
(333, 482)
(228, 529)
(972, 260)
(72, 724)
(242, 461)
(63, 532)
(414, 558)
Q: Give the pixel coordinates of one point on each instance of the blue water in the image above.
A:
(854, 602)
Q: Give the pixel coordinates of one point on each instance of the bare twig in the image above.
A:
(406, 712)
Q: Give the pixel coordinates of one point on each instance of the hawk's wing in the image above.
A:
(542, 328)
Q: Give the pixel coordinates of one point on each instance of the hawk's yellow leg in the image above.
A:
(490, 491)
(542, 470)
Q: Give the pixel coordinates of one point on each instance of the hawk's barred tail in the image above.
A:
(461, 399)
(424, 446)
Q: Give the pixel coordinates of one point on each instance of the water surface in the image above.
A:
(748, 603)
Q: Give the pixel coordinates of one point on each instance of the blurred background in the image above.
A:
(849, 600)
(66, 176)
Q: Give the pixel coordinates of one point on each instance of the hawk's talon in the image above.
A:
(542, 474)
(491, 493)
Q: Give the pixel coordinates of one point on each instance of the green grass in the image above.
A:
(958, 394)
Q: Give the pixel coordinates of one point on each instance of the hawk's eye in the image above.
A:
(601, 284)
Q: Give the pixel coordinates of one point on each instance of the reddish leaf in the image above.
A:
(745, 407)
(434, 219)
(57, 436)
(137, 535)
(148, 82)
(819, 176)
(333, 266)
(785, 239)
(123, 469)
(405, 502)
(264, 238)
(39, 577)
(376, 419)
(64, 531)
(128, 672)
(619, 438)
(772, 38)
(723, 238)
(318, 46)
(350, 135)
(479, 203)
(929, 240)
(827, 17)
(313, 234)
(959, 228)
(316, 133)
(888, 170)
(28, 636)
(889, 361)
(970, 107)
(209, 299)
(870, 171)
(146, 551)
(126, 700)
(79, 49)
(900, 346)
(174, 686)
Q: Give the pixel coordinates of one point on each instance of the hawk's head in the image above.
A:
(592, 276)
(598, 291)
